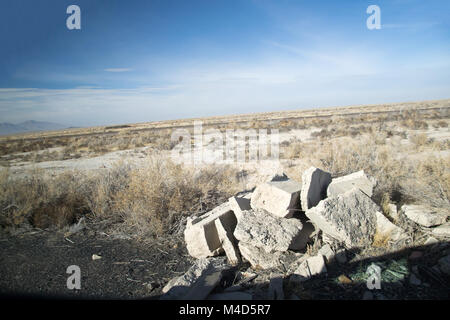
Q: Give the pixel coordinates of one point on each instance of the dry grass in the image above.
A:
(140, 201)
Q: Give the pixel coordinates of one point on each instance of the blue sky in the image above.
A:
(135, 61)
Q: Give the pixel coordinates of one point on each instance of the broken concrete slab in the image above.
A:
(259, 258)
(349, 218)
(228, 243)
(314, 187)
(179, 287)
(327, 252)
(387, 228)
(204, 285)
(263, 230)
(357, 179)
(239, 204)
(310, 267)
(230, 296)
(442, 231)
(279, 198)
(275, 291)
(202, 239)
(424, 215)
(431, 241)
(316, 265)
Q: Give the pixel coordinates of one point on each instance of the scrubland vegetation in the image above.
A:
(150, 200)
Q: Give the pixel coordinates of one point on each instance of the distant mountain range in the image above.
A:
(29, 126)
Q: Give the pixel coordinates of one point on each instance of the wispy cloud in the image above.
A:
(118, 69)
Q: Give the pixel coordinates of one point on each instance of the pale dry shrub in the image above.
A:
(419, 140)
(39, 200)
(150, 200)
(428, 181)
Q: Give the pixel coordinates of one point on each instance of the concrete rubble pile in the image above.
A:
(271, 227)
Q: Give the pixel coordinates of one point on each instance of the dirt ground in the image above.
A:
(33, 265)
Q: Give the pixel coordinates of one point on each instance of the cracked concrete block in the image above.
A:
(280, 198)
(349, 218)
(442, 231)
(314, 187)
(263, 230)
(179, 287)
(385, 227)
(202, 239)
(424, 215)
(357, 179)
(228, 243)
(239, 204)
(310, 267)
(259, 258)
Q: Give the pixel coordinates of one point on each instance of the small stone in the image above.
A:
(96, 257)
(344, 279)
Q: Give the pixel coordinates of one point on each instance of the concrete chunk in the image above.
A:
(327, 253)
(357, 179)
(239, 204)
(179, 287)
(261, 229)
(442, 231)
(385, 227)
(308, 268)
(280, 198)
(349, 218)
(314, 187)
(202, 239)
(259, 258)
(423, 215)
(228, 243)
